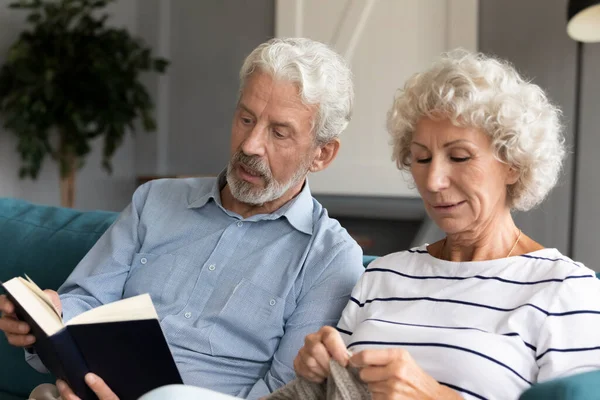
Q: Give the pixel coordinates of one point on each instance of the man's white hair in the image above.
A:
(323, 78)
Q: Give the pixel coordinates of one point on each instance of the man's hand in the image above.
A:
(94, 382)
(55, 299)
(18, 332)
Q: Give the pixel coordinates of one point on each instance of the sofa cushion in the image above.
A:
(584, 386)
(368, 260)
(8, 396)
(45, 243)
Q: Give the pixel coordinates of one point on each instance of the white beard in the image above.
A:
(247, 193)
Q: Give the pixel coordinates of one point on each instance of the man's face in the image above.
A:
(272, 143)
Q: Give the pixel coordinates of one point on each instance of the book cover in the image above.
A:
(121, 342)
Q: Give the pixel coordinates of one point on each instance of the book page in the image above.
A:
(37, 308)
(131, 309)
(41, 294)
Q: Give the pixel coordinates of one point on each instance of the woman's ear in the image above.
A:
(513, 176)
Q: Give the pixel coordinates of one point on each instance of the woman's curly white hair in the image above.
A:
(475, 90)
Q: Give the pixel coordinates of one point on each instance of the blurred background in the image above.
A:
(385, 41)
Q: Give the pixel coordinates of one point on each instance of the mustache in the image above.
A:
(253, 163)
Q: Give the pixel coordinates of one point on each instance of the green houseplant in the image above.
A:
(70, 79)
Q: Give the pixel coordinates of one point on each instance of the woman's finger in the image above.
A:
(335, 345)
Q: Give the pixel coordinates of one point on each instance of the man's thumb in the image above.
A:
(55, 300)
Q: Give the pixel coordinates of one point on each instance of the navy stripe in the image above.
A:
(580, 276)
(468, 303)
(550, 259)
(418, 251)
(459, 389)
(562, 314)
(532, 347)
(343, 331)
(461, 278)
(567, 350)
(449, 346)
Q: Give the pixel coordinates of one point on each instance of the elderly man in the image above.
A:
(243, 266)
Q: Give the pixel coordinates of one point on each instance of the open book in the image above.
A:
(122, 342)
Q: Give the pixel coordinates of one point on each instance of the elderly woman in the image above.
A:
(487, 311)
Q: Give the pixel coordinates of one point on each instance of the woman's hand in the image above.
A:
(393, 374)
(312, 361)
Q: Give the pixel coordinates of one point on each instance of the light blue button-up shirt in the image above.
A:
(235, 296)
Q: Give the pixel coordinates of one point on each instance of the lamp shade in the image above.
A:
(584, 20)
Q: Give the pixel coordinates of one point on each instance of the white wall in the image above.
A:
(207, 43)
(95, 189)
(385, 42)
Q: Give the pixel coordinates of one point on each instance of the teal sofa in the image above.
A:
(46, 243)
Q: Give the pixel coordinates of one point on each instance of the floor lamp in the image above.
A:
(583, 25)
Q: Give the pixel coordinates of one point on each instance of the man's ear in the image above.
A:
(325, 155)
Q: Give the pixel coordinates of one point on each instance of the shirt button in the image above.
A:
(143, 260)
(272, 302)
(240, 223)
(188, 315)
(211, 267)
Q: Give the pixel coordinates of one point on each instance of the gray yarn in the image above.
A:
(343, 384)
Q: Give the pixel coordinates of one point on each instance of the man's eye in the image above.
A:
(246, 121)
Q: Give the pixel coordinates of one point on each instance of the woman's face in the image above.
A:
(462, 184)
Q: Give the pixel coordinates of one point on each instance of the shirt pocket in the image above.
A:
(149, 273)
(250, 324)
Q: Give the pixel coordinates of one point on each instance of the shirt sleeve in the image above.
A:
(321, 305)
(351, 314)
(35, 362)
(569, 342)
(100, 276)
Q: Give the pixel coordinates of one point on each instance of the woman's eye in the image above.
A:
(423, 160)
(460, 159)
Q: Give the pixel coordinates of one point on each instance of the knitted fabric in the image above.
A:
(343, 384)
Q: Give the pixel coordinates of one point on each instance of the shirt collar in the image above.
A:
(297, 211)
(214, 192)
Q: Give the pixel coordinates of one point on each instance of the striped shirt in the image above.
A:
(487, 329)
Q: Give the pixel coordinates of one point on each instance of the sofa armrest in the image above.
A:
(585, 386)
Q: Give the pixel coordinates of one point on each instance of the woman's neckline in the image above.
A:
(543, 253)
